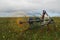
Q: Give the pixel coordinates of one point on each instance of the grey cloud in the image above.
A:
(28, 5)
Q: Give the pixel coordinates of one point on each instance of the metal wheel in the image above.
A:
(21, 25)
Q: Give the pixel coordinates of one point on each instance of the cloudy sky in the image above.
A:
(10, 8)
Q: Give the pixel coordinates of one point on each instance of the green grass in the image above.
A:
(10, 30)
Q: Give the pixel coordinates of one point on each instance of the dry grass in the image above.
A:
(10, 29)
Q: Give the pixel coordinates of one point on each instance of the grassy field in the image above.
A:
(10, 29)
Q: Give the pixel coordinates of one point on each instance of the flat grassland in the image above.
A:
(10, 29)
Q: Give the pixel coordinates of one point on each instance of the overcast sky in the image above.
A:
(20, 7)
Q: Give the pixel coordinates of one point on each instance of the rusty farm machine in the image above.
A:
(41, 20)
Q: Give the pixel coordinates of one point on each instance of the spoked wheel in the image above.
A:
(53, 29)
(21, 25)
(52, 25)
